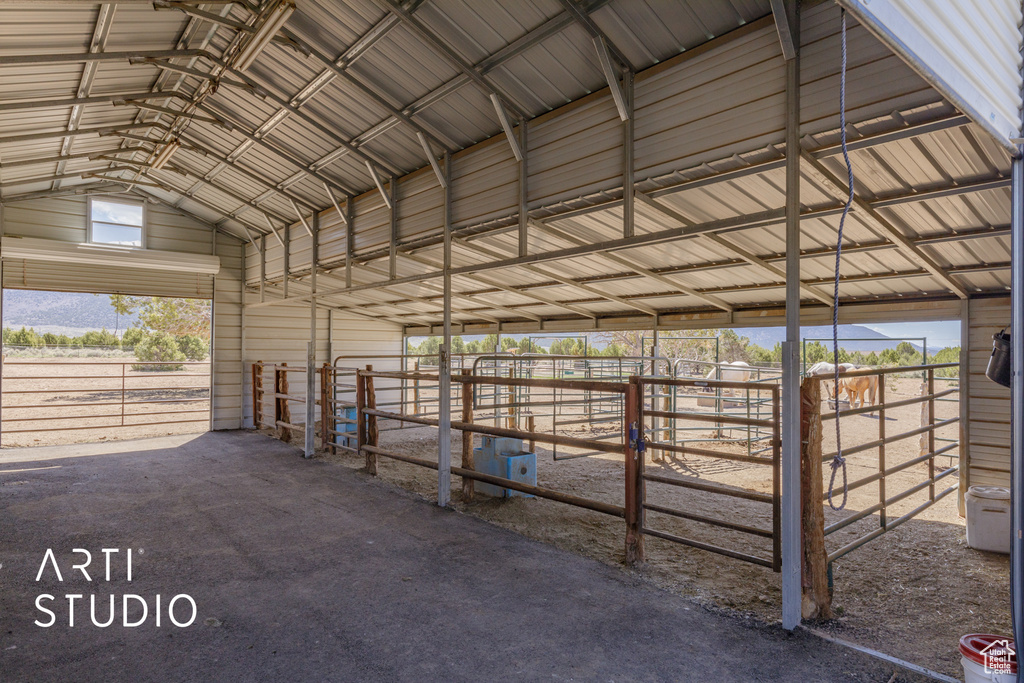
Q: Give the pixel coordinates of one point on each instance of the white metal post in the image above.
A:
(311, 349)
(790, 508)
(444, 423)
(1017, 400)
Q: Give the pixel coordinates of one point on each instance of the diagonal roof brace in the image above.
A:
(506, 125)
(379, 183)
(782, 26)
(301, 217)
(337, 206)
(430, 157)
(611, 76)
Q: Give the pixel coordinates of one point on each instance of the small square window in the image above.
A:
(117, 222)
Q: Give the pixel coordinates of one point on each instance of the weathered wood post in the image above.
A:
(257, 394)
(634, 472)
(360, 406)
(284, 412)
(816, 602)
(372, 435)
(531, 426)
(468, 488)
(416, 390)
(326, 408)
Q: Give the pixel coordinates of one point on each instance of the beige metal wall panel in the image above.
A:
(485, 183)
(576, 153)
(65, 219)
(989, 444)
(970, 51)
(333, 236)
(877, 81)
(421, 209)
(278, 334)
(59, 218)
(371, 342)
(730, 99)
(227, 337)
(65, 277)
(372, 220)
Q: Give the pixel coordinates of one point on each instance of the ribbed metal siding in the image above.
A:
(227, 336)
(65, 219)
(970, 51)
(278, 334)
(989, 445)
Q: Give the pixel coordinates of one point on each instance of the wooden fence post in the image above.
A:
(531, 426)
(634, 473)
(257, 394)
(360, 406)
(284, 410)
(372, 435)
(416, 391)
(326, 408)
(468, 488)
(817, 601)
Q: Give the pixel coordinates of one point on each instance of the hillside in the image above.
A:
(61, 312)
(767, 337)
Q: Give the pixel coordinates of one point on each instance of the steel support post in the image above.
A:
(790, 508)
(1017, 401)
(263, 269)
(287, 256)
(350, 240)
(524, 245)
(444, 423)
(965, 404)
(393, 244)
(311, 393)
(628, 139)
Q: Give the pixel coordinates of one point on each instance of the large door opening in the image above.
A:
(80, 367)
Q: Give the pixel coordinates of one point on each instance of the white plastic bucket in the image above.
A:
(988, 518)
(973, 651)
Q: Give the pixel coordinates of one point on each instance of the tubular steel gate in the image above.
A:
(692, 389)
(41, 397)
(359, 404)
(530, 398)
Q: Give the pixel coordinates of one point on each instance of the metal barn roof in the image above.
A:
(90, 92)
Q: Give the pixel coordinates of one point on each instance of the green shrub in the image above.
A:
(131, 337)
(192, 346)
(160, 348)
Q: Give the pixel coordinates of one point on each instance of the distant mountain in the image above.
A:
(767, 337)
(61, 312)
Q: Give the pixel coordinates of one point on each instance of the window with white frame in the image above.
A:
(120, 222)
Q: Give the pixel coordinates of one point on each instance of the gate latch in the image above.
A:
(636, 440)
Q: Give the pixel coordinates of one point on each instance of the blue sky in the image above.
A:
(940, 333)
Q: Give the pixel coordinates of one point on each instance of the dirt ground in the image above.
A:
(80, 400)
(910, 593)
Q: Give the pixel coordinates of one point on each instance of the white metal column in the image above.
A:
(311, 349)
(444, 423)
(790, 509)
(1017, 401)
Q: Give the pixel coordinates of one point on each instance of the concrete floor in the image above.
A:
(309, 571)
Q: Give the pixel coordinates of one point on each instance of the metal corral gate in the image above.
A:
(684, 388)
(356, 428)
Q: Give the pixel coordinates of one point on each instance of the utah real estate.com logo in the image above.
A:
(180, 610)
(999, 657)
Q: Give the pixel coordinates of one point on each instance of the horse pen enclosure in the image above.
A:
(691, 499)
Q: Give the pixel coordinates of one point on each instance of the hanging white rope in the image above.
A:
(839, 462)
